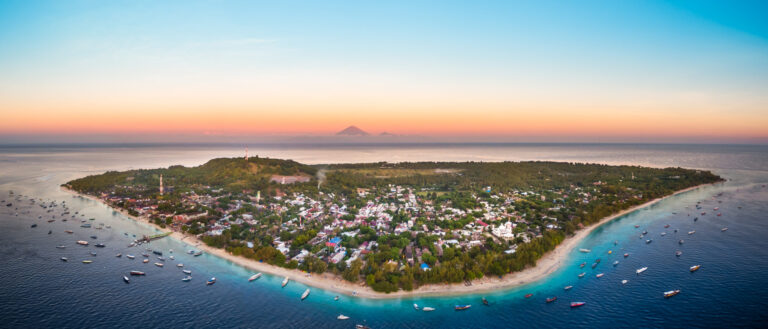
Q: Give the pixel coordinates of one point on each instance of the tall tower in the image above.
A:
(161, 184)
(246, 154)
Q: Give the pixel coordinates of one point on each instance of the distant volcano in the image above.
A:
(352, 131)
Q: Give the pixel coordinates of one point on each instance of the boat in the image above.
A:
(582, 275)
(159, 253)
(137, 273)
(528, 295)
(93, 253)
(551, 299)
(130, 256)
(641, 270)
(597, 260)
(119, 255)
(626, 255)
(568, 287)
(678, 253)
(648, 241)
(361, 326)
(254, 277)
(695, 268)
(210, 281)
(691, 232)
(577, 304)
(663, 233)
(61, 247)
(100, 245)
(342, 317)
(594, 265)
(723, 229)
(719, 214)
(87, 261)
(186, 271)
(599, 275)
(585, 250)
(146, 261)
(199, 253)
(416, 307)
(171, 257)
(305, 294)
(616, 262)
(582, 265)
(285, 281)
(680, 242)
(637, 226)
(336, 298)
(428, 309)
(126, 279)
(645, 232)
(186, 278)
(666, 226)
(82, 242)
(64, 259)
(159, 264)
(86, 225)
(161, 258)
(624, 281)
(485, 301)
(671, 293)
(695, 218)
(461, 307)
(94, 237)
(69, 231)
(716, 208)
(179, 265)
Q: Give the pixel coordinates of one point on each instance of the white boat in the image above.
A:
(342, 317)
(691, 232)
(416, 306)
(585, 250)
(187, 271)
(305, 294)
(428, 309)
(285, 281)
(641, 270)
(126, 279)
(724, 229)
(179, 265)
(254, 277)
(624, 281)
(186, 278)
(159, 264)
(615, 263)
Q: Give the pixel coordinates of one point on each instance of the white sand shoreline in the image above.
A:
(546, 265)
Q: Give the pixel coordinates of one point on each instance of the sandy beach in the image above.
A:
(545, 266)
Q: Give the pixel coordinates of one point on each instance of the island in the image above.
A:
(387, 229)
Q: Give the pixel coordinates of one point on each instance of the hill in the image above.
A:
(352, 131)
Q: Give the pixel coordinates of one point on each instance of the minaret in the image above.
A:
(161, 184)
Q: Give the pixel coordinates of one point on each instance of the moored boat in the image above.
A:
(186, 278)
(130, 256)
(428, 309)
(137, 273)
(578, 304)
(599, 275)
(641, 270)
(616, 262)
(342, 317)
(528, 295)
(254, 277)
(584, 250)
(461, 307)
(87, 261)
(64, 259)
(582, 275)
(179, 265)
(691, 232)
(416, 306)
(210, 281)
(723, 229)
(285, 281)
(626, 255)
(186, 271)
(305, 294)
(551, 299)
(624, 281)
(159, 264)
(126, 279)
(568, 287)
(582, 265)
(82, 242)
(146, 261)
(61, 247)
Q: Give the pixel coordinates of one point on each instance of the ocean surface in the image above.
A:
(38, 290)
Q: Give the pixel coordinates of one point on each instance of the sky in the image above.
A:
(514, 71)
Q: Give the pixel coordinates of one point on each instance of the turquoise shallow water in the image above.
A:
(40, 291)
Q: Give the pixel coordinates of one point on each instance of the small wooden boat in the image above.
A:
(582, 275)
(210, 281)
(461, 307)
(671, 293)
(695, 268)
(146, 260)
(551, 299)
(577, 304)
(137, 273)
(305, 294)
(159, 264)
(641, 270)
(285, 281)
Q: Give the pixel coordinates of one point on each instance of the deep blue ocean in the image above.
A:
(38, 290)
